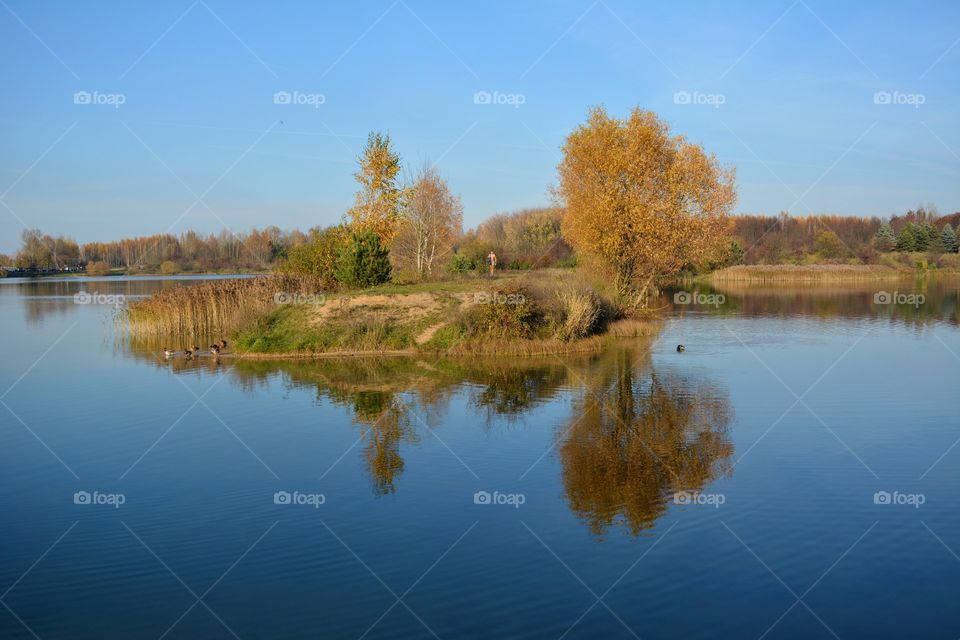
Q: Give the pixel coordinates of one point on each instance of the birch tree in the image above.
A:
(431, 222)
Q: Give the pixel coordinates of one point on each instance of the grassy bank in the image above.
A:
(820, 273)
(536, 313)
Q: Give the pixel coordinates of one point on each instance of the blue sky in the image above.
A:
(782, 91)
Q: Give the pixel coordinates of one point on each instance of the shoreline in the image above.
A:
(817, 274)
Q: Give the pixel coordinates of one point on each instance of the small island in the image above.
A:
(636, 208)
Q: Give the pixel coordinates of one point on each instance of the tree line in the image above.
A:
(258, 249)
(634, 202)
(786, 239)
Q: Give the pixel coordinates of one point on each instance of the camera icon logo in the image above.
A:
(882, 297)
(882, 97)
(282, 97)
(281, 297)
(81, 497)
(681, 97)
(682, 297)
(482, 497)
(82, 297)
(281, 497)
(881, 497)
(82, 97)
(682, 497)
(482, 97)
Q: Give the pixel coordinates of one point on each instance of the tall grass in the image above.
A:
(803, 273)
(212, 309)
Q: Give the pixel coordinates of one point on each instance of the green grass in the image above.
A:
(288, 330)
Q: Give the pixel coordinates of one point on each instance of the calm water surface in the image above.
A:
(793, 474)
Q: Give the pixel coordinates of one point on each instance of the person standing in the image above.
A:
(492, 261)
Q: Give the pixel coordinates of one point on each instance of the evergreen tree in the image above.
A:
(364, 262)
(927, 237)
(885, 240)
(907, 239)
(949, 238)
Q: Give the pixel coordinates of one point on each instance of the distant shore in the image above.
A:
(788, 273)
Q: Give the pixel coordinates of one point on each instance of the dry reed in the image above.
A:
(213, 308)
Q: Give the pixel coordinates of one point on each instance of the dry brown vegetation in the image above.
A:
(211, 309)
(805, 273)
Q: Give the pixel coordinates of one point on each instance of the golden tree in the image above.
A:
(378, 200)
(641, 203)
(430, 224)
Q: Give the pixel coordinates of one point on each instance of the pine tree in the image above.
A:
(949, 238)
(364, 262)
(907, 239)
(927, 237)
(885, 240)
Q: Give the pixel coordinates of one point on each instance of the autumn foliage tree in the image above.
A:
(430, 224)
(639, 202)
(377, 206)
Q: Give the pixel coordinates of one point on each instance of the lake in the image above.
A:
(793, 473)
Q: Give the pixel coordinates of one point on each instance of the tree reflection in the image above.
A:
(636, 433)
(637, 436)
(386, 423)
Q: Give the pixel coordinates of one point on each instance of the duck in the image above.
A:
(681, 348)
(168, 353)
(223, 343)
(189, 352)
(215, 349)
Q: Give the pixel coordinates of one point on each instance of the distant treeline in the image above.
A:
(786, 239)
(257, 250)
(525, 239)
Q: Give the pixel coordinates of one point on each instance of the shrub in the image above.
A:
(98, 269)
(364, 262)
(169, 267)
(506, 312)
(461, 263)
(949, 261)
(317, 257)
(581, 310)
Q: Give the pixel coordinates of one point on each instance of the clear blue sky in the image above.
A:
(797, 81)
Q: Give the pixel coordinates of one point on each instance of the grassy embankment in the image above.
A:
(822, 273)
(281, 316)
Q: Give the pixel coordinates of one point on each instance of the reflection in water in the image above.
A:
(386, 422)
(637, 436)
(852, 300)
(511, 391)
(47, 296)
